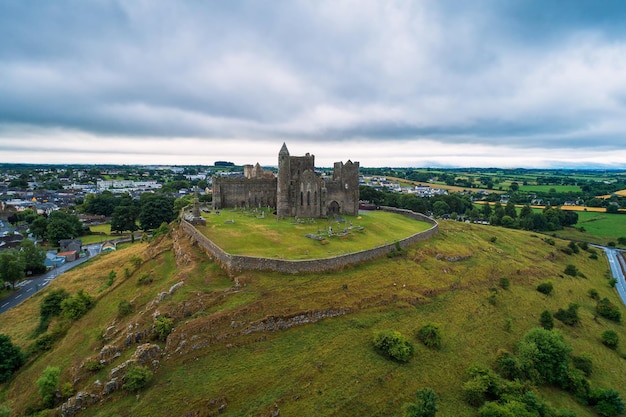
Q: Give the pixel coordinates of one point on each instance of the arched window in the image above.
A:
(308, 198)
(315, 199)
(301, 198)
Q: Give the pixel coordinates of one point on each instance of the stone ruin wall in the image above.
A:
(244, 192)
(234, 264)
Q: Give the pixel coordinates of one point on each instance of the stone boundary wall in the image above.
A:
(234, 264)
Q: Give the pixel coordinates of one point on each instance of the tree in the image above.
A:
(125, 218)
(11, 358)
(509, 210)
(514, 186)
(426, 405)
(163, 326)
(39, 227)
(544, 356)
(33, 257)
(11, 267)
(47, 384)
(76, 306)
(608, 310)
(155, 209)
(62, 225)
(440, 208)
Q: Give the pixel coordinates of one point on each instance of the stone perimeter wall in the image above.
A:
(234, 264)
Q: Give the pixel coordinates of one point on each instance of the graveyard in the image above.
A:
(257, 232)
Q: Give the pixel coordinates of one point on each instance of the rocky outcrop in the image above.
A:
(79, 402)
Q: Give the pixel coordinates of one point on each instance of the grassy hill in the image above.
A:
(302, 345)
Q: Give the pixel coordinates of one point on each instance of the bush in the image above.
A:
(430, 335)
(47, 385)
(426, 405)
(612, 282)
(571, 270)
(11, 358)
(145, 279)
(136, 378)
(583, 362)
(544, 356)
(610, 339)
(111, 278)
(546, 320)
(163, 326)
(593, 293)
(549, 241)
(393, 344)
(569, 316)
(484, 384)
(593, 256)
(93, 365)
(583, 245)
(567, 250)
(4, 411)
(76, 306)
(573, 246)
(608, 310)
(607, 402)
(577, 384)
(505, 283)
(545, 288)
(124, 308)
(508, 365)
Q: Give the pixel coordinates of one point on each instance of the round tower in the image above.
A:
(284, 178)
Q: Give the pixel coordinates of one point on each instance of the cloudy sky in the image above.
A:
(387, 83)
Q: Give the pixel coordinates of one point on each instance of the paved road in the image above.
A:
(615, 260)
(29, 287)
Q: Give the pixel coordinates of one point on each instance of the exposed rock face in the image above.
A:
(108, 353)
(146, 354)
(77, 403)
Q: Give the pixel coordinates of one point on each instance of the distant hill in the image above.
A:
(265, 344)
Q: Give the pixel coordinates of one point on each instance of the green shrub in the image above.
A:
(544, 356)
(569, 316)
(145, 279)
(426, 405)
(393, 344)
(546, 320)
(610, 339)
(93, 365)
(576, 383)
(612, 282)
(545, 288)
(508, 365)
(583, 245)
(593, 256)
(111, 278)
(583, 362)
(47, 384)
(608, 310)
(607, 402)
(593, 293)
(124, 308)
(5, 411)
(76, 306)
(568, 251)
(573, 246)
(430, 335)
(163, 326)
(11, 358)
(136, 378)
(483, 384)
(505, 283)
(571, 270)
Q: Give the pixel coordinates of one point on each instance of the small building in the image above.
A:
(69, 245)
(69, 256)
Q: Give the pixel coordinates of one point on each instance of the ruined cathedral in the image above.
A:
(297, 191)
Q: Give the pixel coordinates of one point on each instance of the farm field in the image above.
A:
(600, 228)
(246, 233)
(547, 188)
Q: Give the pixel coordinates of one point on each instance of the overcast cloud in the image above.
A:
(386, 83)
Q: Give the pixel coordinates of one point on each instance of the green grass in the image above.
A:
(548, 188)
(329, 367)
(600, 228)
(268, 237)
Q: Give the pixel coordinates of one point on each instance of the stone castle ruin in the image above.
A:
(297, 191)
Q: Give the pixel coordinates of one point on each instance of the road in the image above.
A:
(29, 287)
(615, 260)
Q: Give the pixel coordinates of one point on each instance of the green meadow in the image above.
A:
(214, 365)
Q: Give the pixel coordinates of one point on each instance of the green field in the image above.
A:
(245, 233)
(547, 188)
(599, 228)
(101, 233)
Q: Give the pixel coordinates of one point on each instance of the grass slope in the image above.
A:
(226, 349)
